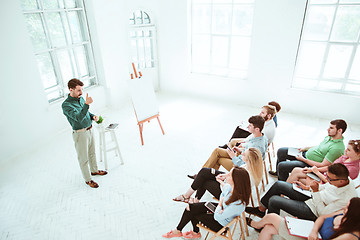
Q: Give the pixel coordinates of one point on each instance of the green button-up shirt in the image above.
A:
(331, 149)
(77, 112)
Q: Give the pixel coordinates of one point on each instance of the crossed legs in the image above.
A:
(270, 224)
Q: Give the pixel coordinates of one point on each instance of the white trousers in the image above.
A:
(85, 148)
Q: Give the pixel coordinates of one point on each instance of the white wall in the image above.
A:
(110, 26)
(276, 31)
(27, 119)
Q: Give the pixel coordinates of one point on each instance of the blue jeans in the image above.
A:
(283, 167)
(295, 205)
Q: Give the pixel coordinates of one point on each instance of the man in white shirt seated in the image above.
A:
(326, 198)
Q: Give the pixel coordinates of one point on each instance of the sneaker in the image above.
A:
(191, 235)
(192, 176)
(273, 173)
(171, 234)
(255, 211)
(92, 184)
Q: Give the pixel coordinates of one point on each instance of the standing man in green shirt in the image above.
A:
(330, 149)
(76, 110)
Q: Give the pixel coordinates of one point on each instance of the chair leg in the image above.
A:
(245, 225)
(269, 155)
(206, 235)
(252, 200)
(266, 176)
(258, 194)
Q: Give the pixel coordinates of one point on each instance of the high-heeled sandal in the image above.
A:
(249, 221)
(181, 198)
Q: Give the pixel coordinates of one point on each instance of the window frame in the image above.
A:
(242, 72)
(70, 48)
(321, 79)
(143, 26)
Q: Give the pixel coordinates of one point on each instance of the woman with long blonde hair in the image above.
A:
(212, 180)
(254, 164)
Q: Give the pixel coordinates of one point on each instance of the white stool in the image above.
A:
(103, 144)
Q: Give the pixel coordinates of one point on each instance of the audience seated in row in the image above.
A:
(233, 200)
(326, 198)
(327, 205)
(213, 180)
(331, 148)
(240, 134)
(342, 224)
(228, 157)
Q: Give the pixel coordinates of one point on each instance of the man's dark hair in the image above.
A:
(257, 121)
(276, 105)
(339, 170)
(75, 82)
(340, 124)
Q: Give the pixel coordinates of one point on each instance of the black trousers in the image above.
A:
(294, 204)
(284, 167)
(206, 180)
(199, 213)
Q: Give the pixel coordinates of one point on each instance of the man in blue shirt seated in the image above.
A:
(228, 157)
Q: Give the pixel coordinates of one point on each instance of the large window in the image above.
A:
(329, 53)
(221, 36)
(142, 40)
(61, 42)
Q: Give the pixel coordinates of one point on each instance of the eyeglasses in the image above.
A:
(335, 179)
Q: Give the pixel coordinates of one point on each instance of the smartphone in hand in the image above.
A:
(231, 149)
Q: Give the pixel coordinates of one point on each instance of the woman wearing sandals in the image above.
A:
(233, 199)
(342, 224)
(212, 180)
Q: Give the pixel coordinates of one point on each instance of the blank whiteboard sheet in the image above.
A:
(143, 98)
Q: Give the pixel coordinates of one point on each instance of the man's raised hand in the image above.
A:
(88, 99)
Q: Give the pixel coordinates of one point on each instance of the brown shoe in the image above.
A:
(92, 184)
(100, 172)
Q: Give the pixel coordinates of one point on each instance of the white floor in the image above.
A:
(43, 195)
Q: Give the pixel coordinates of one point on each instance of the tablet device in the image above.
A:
(293, 152)
(112, 126)
(313, 176)
(210, 206)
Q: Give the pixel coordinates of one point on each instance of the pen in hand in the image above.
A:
(299, 186)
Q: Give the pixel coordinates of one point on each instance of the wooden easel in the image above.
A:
(141, 123)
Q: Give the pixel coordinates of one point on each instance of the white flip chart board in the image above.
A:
(143, 97)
